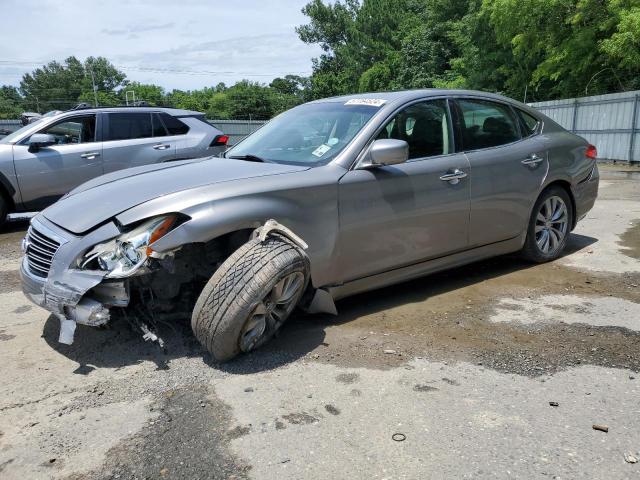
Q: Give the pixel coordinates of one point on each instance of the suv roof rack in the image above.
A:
(137, 103)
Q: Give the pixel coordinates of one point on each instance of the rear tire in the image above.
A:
(549, 226)
(249, 297)
(4, 210)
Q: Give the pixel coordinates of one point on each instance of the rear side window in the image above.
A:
(486, 124)
(174, 126)
(126, 126)
(529, 123)
(158, 127)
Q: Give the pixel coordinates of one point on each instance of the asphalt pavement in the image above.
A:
(499, 369)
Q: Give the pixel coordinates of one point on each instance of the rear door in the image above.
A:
(508, 167)
(393, 216)
(135, 138)
(47, 174)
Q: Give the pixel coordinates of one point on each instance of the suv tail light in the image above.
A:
(220, 141)
(591, 152)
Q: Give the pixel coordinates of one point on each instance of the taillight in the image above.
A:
(591, 152)
(220, 141)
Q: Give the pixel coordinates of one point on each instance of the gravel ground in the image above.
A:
(499, 369)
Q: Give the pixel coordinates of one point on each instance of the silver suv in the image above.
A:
(46, 159)
(329, 199)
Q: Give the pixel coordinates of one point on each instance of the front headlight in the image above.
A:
(124, 255)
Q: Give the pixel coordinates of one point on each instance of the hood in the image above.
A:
(104, 197)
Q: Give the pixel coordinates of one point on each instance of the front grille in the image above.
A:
(40, 252)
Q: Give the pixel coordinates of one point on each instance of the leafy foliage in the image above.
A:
(549, 48)
(541, 49)
(61, 86)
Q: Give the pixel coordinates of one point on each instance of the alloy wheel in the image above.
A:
(552, 225)
(271, 311)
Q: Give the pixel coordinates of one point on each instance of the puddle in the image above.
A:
(630, 241)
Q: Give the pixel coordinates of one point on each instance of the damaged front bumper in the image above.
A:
(73, 295)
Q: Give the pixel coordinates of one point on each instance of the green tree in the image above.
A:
(61, 85)
(11, 103)
(152, 94)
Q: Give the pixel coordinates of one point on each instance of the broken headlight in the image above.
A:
(124, 255)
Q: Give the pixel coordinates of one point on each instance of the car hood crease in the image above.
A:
(101, 199)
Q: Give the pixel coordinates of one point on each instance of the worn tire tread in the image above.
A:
(235, 288)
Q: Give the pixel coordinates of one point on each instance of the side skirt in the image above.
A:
(420, 269)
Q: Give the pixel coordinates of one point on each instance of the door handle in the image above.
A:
(161, 146)
(90, 155)
(532, 159)
(453, 177)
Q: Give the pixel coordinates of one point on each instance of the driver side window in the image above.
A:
(425, 126)
(73, 130)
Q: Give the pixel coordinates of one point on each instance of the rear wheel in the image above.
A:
(250, 296)
(549, 226)
(4, 210)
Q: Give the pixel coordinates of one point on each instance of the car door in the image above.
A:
(133, 139)
(508, 169)
(49, 173)
(392, 216)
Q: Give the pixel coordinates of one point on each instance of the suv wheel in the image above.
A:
(549, 226)
(250, 296)
(4, 210)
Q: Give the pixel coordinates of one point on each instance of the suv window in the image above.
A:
(424, 126)
(529, 122)
(486, 124)
(126, 126)
(158, 127)
(174, 126)
(80, 129)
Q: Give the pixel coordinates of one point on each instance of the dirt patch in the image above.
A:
(189, 439)
(630, 241)
(446, 317)
(301, 418)
(3, 338)
(9, 281)
(347, 378)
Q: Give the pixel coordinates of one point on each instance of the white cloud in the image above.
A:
(176, 44)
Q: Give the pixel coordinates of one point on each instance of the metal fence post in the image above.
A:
(634, 119)
(575, 116)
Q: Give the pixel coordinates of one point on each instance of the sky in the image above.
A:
(184, 44)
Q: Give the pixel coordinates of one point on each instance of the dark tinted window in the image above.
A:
(530, 123)
(487, 124)
(174, 126)
(126, 126)
(73, 130)
(424, 126)
(158, 127)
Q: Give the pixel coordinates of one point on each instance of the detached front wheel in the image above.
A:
(250, 296)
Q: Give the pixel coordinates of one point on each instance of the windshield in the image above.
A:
(311, 134)
(12, 136)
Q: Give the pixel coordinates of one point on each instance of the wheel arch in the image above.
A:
(7, 191)
(566, 186)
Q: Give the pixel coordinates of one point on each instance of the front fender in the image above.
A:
(305, 202)
(317, 230)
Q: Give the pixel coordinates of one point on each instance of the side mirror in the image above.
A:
(40, 140)
(388, 152)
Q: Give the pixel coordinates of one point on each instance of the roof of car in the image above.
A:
(176, 112)
(405, 95)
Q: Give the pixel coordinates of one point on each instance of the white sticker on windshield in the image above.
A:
(372, 102)
(321, 150)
